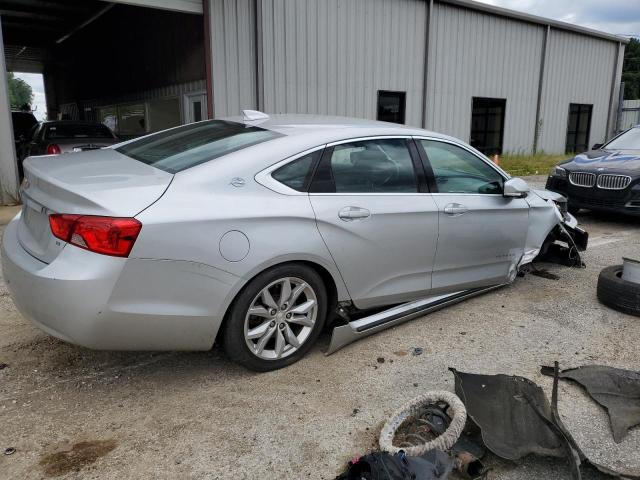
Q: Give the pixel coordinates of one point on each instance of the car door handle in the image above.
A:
(353, 213)
(455, 209)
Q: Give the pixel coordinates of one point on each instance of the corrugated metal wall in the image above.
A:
(579, 69)
(168, 91)
(332, 56)
(630, 115)
(233, 52)
(474, 54)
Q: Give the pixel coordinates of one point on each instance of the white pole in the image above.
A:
(8, 166)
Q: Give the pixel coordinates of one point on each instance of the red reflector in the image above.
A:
(53, 149)
(106, 235)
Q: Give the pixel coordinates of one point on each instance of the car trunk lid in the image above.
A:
(100, 182)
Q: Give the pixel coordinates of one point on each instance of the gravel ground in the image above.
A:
(196, 415)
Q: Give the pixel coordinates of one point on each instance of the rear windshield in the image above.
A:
(185, 147)
(629, 140)
(77, 131)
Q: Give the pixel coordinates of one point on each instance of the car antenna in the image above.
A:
(253, 115)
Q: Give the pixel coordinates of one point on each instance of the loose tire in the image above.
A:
(276, 318)
(618, 293)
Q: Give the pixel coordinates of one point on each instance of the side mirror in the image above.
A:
(515, 188)
(597, 146)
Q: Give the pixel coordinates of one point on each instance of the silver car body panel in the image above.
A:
(208, 230)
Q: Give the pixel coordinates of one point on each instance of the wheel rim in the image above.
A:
(280, 318)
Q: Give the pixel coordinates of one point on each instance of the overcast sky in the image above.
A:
(620, 17)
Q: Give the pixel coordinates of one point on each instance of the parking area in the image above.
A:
(197, 415)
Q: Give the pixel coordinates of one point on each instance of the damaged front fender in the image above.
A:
(550, 223)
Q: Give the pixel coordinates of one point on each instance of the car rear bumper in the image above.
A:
(111, 303)
(625, 201)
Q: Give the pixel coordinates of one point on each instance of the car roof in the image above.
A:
(333, 128)
(298, 133)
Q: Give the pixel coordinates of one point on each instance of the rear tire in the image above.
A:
(288, 306)
(617, 293)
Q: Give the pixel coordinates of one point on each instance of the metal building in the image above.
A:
(501, 80)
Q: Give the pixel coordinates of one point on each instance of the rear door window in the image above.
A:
(369, 166)
(297, 173)
(184, 147)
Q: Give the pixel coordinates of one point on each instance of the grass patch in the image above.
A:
(521, 165)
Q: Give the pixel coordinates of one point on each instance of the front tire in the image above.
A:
(276, 318)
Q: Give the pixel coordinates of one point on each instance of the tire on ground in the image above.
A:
(233, 340)
(617, 293)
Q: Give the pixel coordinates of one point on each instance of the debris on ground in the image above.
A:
(3, 366)
(417, 351)
(617, 390)
(515, 417)
(380, 359)
(433, 465)
(9, 451)
(441, 416)
(544, 273)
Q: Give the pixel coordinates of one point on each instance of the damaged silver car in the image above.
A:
(256, 231)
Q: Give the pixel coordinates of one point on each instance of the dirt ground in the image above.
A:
(73, 413)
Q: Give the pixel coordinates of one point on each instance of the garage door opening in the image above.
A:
(134, 68)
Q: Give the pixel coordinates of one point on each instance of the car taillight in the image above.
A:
(106, 235)
(53, 149)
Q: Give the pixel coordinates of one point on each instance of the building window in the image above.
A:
(487, 124)
(391, 106)
(578, 128)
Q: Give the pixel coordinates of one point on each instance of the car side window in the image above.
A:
(369, 166)
(457, 170)
(297, 174)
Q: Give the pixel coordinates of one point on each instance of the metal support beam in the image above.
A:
(543, 63)
(87, 22)
(614, 78)
(259, 60)
(8, 164)
(206, 9)
(425, 74)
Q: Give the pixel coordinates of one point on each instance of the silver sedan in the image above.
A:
(258, 231)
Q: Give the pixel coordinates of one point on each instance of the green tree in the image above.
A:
(20, 93)
(631, 70)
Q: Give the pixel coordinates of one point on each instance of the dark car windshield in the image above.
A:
(180, 148)
(629, 140)
(61, 130)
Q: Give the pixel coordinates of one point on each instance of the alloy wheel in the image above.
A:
(281, 318)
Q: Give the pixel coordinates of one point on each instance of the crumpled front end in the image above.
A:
(553, 233)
